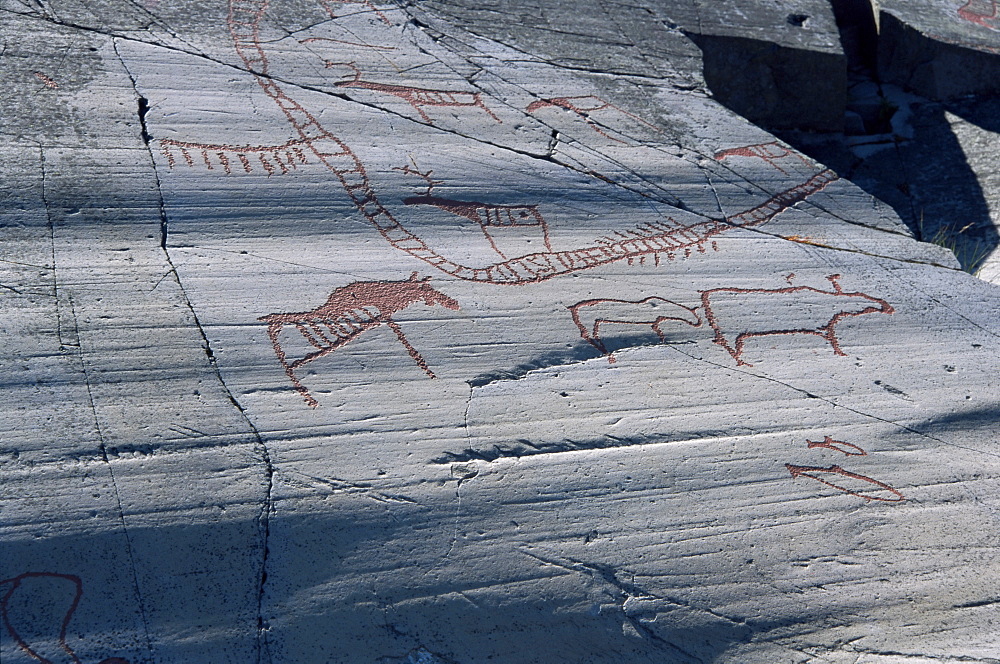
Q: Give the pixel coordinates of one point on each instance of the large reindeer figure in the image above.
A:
(348, 312)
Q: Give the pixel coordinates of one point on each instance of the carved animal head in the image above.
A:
(882, 307)
(354, 77)
(430, 296)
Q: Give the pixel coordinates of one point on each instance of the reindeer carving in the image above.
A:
(416, 97)
(347, 313)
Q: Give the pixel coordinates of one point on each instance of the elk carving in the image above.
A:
(350, 311)
(416, 97)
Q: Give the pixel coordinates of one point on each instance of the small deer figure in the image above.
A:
(348, 312)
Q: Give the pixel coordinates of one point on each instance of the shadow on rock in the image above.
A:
(931, 181)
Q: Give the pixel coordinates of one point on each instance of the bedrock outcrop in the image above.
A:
(460, 332)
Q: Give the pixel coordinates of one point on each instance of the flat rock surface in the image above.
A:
(345, 332)
(941, 49)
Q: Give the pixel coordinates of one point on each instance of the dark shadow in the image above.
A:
(927, 180)
(775, 87)
(534, 608)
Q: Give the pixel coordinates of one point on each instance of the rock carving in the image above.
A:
(849, 449)
(813, 471)
(981, 12)
(244, 18)
(348, 312)
(730, 324)
(770, 152)
(418, 98)
(286, 156)
(591, 315)
(18, 584)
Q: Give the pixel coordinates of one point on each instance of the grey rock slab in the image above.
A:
(780, 64)
(940, 49)
(336, 333)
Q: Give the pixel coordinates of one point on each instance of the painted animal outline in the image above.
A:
(491, 217)
(981, 12)
(583, 109)
(418, 98)
(590, 315)
(347, 313)
(827, 331)
(812, 472)
(770, 152)
(244, 27)
(15, 584)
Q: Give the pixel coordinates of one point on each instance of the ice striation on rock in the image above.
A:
(453, 331)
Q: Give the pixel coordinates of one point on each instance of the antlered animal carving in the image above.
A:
(416, 97)
(739, 314)
(347, 313)
(591, 315)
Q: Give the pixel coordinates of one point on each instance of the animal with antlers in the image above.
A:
(348, 312)
(416, 97)
(492, 218)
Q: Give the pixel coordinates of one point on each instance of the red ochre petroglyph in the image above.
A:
(272, 158)
(981, 12)
(327, 5)
(348, 312)
(583, 106)
(490, 217)
(77, 590)
(769, 152)
(812, 471)
(827, 330)
(666, 238)
(46, 81)
(590, 315)
(849, 449)
(418, 98)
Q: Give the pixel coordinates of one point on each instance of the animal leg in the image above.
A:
(409, 348)
(272, 332)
